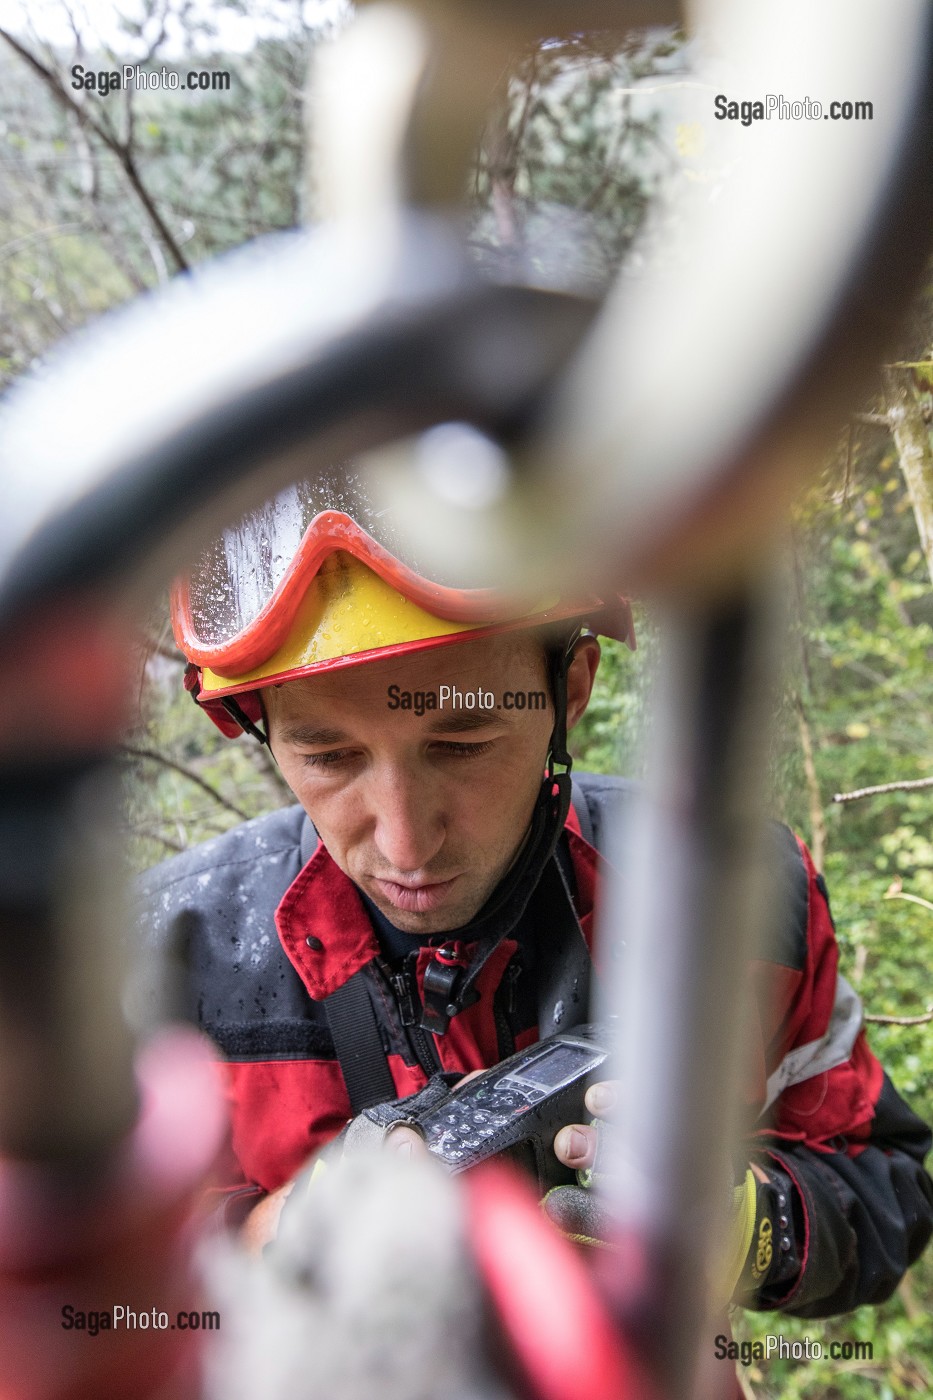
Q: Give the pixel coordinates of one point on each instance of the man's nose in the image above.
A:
(410, 828)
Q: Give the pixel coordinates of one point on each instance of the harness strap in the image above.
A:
(564, 970)
(355, 1031)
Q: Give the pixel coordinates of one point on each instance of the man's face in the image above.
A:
(425, 812)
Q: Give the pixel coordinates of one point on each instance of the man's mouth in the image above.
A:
(416, 898)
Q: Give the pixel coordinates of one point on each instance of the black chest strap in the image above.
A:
(355, 1031)
(563, 970)
(353, 1026)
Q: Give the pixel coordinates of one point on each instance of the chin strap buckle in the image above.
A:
(442, 977)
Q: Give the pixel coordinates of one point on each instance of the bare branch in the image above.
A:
(153, 757)
(168, 842)
(154, 648)
(910, 785)
(911, 898)
(914, 450)
(902, 1020)
(122, 150)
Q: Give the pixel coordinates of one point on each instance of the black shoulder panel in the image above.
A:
(209, 914)
(786, 940)
(604, 797)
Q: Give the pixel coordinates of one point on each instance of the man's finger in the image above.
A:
(575, 1146)
(405, 1141)
(602, 1097)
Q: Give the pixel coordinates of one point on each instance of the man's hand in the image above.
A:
(575, 1145)
(577, 1212)
(406, 1141)
(261, 1224)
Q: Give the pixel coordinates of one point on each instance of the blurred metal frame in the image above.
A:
(358, 337)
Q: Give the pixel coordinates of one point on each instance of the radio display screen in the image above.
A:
(557, 1067)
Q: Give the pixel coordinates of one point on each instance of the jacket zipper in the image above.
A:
(405, 990)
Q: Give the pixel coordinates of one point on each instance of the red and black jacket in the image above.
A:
(267, 927)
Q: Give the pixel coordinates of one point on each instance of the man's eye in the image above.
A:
(326, 760)
(464, 750)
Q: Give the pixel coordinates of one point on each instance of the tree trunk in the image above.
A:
(914, 448)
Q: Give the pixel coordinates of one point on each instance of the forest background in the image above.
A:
(105, 197)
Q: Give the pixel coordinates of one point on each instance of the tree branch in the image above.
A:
(167, 841)
(122, 150)
(914, 450)
(910, 785)
(895, 893)
(905, 1020)
(152, 757)
(902, 1020)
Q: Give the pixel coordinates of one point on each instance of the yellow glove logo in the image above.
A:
(764, 1250)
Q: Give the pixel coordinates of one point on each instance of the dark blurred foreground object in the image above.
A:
(176, 415)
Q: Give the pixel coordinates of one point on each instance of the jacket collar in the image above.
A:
(325, 930)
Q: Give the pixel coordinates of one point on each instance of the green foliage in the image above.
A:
(219, 168)
(861, 652)
(610, 737)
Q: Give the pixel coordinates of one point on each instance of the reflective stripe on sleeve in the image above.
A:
(818, 1056)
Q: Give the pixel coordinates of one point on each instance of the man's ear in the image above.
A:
(581, 673)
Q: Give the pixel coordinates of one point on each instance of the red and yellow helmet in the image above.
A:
(317, 579)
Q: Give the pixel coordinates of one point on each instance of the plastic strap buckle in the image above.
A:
(440, 999)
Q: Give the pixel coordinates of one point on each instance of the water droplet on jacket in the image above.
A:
(558, 1012)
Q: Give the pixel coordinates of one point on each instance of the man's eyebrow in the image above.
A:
(459, 722)
(312, 734)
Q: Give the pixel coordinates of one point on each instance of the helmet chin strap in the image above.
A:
(508, 901)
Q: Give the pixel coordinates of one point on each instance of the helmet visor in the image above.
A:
(238, 574)
(236, 607)
(238, 601)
